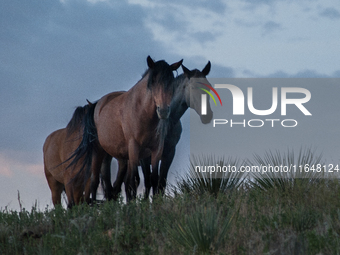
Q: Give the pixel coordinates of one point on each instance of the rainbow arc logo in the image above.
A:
(204, 97)
(209, 93)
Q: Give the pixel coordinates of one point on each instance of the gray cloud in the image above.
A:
(300, 74)
(215, 6)
(270, 27)
(309, 74)
(245, 23)
(218, 71)
(331, 13)
(204, 37)
(259, 2)
(174, 18)
(54, 56)
(252, 5)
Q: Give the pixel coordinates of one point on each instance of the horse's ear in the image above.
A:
(206, 69)
(150, 62)
(90, 104)
(186, 72)
(175, 66)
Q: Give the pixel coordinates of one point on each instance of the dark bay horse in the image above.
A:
(130, 126)
(58, 147)
(187, 94)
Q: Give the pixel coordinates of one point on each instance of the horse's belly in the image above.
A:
(115, 148)
(144, 153)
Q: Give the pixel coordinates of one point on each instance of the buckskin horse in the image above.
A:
(187, 94)
(130, 126)
(58, 147)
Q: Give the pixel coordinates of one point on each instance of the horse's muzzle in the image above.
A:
(205, 119)
(163, 113)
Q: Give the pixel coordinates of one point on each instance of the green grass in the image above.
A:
(240, 219)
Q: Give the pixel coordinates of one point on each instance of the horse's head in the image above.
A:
(160, 82)
(193, 93)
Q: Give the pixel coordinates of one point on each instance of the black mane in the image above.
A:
(178, 80)
(163, 73)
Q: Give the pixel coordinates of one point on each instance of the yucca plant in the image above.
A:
(210, 174)
(202, 231)
(291, 171)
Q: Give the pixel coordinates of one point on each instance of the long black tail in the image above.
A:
(86, 147)
(75, 123)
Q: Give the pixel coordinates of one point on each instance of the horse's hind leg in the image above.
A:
(78, 195)
(122, 170)
(97, 160)
(55, 187)
(69, 193)
(105, 172)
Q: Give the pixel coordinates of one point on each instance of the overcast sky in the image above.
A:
(56, 54)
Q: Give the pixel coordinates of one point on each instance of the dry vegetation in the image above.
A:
(209, 217)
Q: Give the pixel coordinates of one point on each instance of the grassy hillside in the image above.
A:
(202, 216)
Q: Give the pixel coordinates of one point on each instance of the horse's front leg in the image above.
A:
(164, 169)
(97, 160)
(155, 158)
(131, 186)
(154, 178)
(145, 164)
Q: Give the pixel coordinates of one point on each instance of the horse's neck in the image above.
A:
(179, 105)
(141, 84)
(140, 96)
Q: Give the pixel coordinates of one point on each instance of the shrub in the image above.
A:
(202, 231)
(195, 182)
(299, 176)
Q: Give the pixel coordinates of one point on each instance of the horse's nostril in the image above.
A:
(163, 113)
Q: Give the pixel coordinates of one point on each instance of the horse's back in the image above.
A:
(105, 100)
(108, 120)
(52, 153)
(58, 147)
